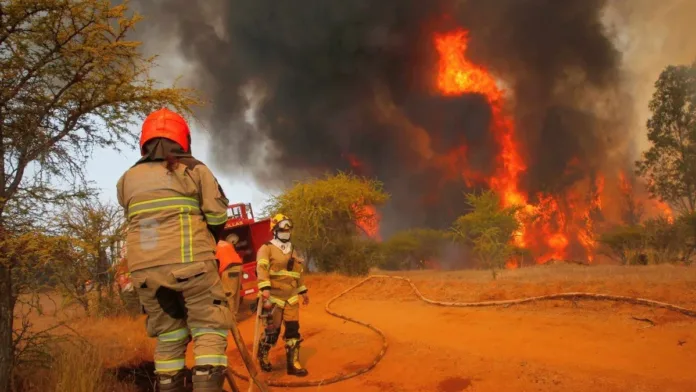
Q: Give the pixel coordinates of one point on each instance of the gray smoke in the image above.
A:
(337, 82)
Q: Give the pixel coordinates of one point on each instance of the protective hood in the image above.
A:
(160, 148)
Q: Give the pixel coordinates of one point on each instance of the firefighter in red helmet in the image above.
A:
(176, 210)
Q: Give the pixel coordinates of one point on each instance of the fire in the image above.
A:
(368, 221)
(557, 225)
(367, 218)
(565, 222)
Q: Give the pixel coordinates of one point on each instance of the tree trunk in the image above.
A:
(6, 317)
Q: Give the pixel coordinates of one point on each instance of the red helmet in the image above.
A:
(167, 124)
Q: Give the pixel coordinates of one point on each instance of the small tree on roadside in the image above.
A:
(70, 81)
(489, 230)
(669, 165)
(687, 223)
(410, 248)
(94, 232)
(665, 240)
(625, 244)
(329, 215)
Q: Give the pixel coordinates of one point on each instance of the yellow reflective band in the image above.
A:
(295, 275)
(164, 200)
(161, 204)
(301, 288)
(186, 228)
(263, 284)
(215, 360)
(196, 332)
(277, 301)
(216, 219)
(176, 335)
(263, 263)
(190, 234)
(170, 365)
(293, 300)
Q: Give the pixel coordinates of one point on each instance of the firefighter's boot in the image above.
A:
(264, 362)
(172, 382)
(292, 353)
(269, 339)
(208, 378)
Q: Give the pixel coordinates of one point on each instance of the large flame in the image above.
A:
(562, 221)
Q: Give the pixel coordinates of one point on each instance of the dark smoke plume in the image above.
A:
(351, 81)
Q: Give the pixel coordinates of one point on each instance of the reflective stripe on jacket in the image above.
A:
(272, 271)
(168, 213)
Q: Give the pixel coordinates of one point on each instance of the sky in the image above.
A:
(106, 167)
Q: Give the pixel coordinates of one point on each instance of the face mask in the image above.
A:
(283, 236)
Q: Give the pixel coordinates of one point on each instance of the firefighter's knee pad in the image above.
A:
(292, 330)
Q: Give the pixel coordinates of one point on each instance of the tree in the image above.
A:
(669, 165)
(70, 81)
(625, 244)
(93, 233)
(688, 226)
(410, 248)
(329, 215)
(665, 240)
(489, 230)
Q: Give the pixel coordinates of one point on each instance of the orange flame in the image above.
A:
(368, 221)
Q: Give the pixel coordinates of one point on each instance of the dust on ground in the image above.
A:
(549, 346)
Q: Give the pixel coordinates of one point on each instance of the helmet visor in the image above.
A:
(284, 225)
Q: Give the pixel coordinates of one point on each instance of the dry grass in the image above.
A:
(121, 342)
(78, 368)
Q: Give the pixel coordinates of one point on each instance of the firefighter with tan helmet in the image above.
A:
(280, 280)
(175, 210)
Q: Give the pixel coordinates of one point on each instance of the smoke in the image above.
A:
(349, 85)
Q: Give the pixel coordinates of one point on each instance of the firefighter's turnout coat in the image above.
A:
(173, 220)
(169, 212)
(285, 281)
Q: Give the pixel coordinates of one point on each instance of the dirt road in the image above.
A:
(554, 346)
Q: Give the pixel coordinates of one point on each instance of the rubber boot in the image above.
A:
(172, 382)
(292, 354)
(208, 378)
(269, 339)
(264, 362)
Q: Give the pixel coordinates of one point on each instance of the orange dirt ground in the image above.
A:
(551, 346)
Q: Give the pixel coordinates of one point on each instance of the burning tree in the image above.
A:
(489, 230)
(335, 219)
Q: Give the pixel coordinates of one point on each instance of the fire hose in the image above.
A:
(568, 296)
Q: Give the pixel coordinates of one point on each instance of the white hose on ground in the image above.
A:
(344, 376)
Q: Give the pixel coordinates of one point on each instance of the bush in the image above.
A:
(409, 249)
(329, 216)
(489, 230)
(625, 244)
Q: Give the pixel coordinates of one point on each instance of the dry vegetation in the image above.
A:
(112, 354)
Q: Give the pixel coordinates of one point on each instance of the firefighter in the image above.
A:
(176, 210)
(280, 283)
(230, 270)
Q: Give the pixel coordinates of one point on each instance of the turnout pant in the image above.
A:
(290, 316)
(183, 302)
